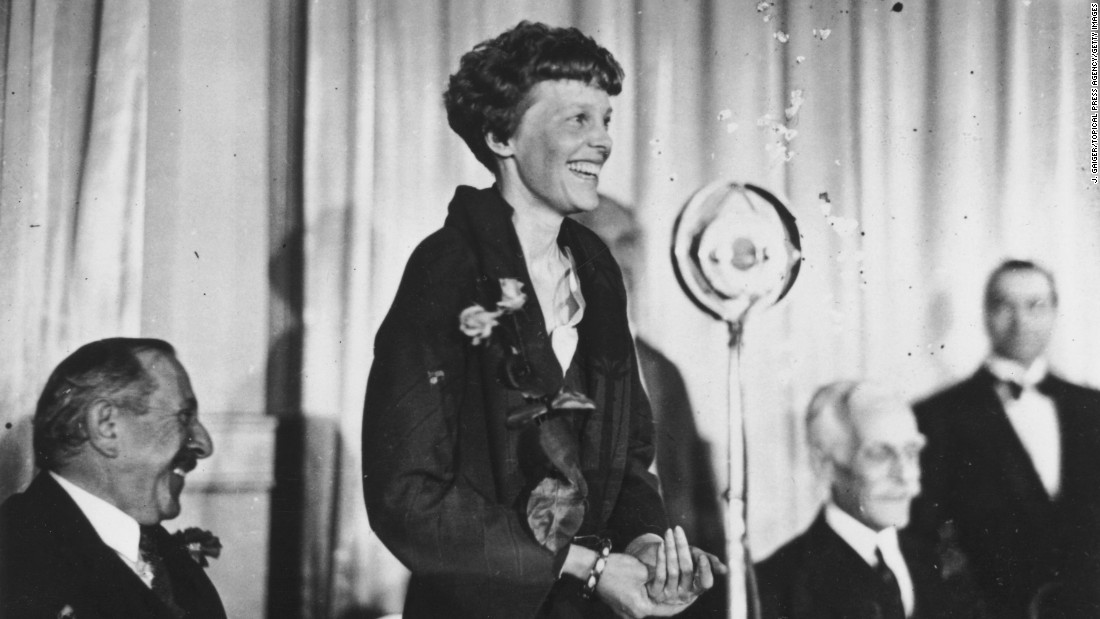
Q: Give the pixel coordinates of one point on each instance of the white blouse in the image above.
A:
(568, 308)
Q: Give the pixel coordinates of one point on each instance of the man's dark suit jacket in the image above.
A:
(981, 491)
(51, 558)
(817, 575)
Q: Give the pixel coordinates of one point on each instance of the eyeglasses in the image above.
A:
(188, 415)
(883, 455)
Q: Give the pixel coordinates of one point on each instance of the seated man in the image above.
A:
(852, 562)
(115, 433)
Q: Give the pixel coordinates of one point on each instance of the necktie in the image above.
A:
(162, 585)
(889, 591)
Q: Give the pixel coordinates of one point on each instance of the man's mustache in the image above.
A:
(185, 460)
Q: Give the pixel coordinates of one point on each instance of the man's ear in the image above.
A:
(101, 424)
(501, 148)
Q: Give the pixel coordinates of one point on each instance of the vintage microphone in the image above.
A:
(735, 248)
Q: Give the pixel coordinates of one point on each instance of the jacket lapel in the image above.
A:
(845, 586)
(191, 588)
(605, 356)
(924, 571)
(1079, 423)
(486, 218)
(117, 589)
(995, 434)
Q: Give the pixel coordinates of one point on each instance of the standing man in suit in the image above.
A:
(853, 562)
(1012, 470)
(116, 431)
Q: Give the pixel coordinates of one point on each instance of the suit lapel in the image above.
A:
(1068, 432)
(845, 588)
(191, 588)
(601, 360)
(486, 218)
(1079, 421)
(111, 582)
(924, 571)
(483, 218)
(996, 436)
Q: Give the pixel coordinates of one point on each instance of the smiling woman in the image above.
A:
(553, 159)
(506, 463)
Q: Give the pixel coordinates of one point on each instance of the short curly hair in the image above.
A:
(488, 92)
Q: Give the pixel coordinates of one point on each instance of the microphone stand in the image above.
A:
(744, 602)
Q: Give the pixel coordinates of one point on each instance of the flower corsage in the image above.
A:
(479, 324)
(199, 543)
(556, 504)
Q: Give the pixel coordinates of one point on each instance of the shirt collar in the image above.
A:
(1013, 371)
(115, 527)
(859, 536)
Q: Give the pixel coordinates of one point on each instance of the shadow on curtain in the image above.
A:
(72, 194)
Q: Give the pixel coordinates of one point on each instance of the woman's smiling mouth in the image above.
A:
(585, 169)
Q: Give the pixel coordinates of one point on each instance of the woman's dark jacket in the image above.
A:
(445, 481)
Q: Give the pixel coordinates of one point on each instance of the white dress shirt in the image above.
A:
(864, 541)
(115, 527)
(1033, 416)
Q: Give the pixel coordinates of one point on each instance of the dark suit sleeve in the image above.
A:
(434, 519)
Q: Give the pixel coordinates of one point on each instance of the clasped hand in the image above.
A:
(658, 577)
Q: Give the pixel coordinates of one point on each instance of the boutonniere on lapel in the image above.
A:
(949, 557)
(556, 505)
(199, 543)
(517, 371)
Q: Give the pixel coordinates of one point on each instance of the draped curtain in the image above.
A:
(917, 143)
(72, 194)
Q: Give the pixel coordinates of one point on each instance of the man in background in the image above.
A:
(854, 561)
(116, 431)
(1012, 470)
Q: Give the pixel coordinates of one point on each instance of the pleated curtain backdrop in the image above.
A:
(918, 143)
(72, 194)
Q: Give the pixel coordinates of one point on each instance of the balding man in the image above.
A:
(1012, 469)
(116, 431)
(852, 562)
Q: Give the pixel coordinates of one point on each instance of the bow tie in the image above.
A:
(1015, 389)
